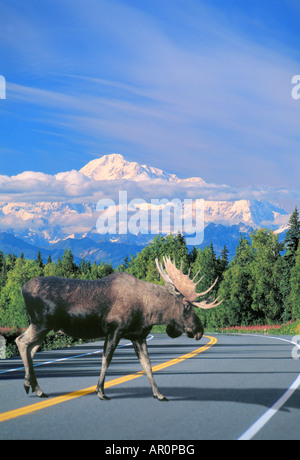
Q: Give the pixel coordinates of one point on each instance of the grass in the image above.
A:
(290, 328)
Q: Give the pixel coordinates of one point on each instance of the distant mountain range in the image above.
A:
(53, 226)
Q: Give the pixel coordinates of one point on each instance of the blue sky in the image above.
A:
(194, 87)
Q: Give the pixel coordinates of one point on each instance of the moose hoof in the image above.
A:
(103, 397)
(40, 393)
(26, 388)
(160, 398)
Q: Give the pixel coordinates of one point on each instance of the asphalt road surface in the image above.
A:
(223, 387)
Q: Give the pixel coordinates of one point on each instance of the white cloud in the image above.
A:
(75, 187)
(207, 99)
(35, 186)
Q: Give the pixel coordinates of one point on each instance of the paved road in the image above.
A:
(218, 392)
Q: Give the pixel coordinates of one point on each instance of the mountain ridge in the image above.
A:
(49, 224)
(115, 167)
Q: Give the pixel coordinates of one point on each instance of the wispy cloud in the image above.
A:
(202, 99)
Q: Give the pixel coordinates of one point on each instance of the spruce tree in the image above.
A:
(292, 236)
(291, 244)
(68, 266)
(39, 260)
(207, 266)
(236, 289)
(223, 261)
(266, 272)
(3, 270)
(294, 296)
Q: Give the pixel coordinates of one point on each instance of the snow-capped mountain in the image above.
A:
(53, 225)
(115, 167)
(249, 212)
(56, 221)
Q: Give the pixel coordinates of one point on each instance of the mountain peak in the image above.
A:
(104, 168)
(114, 167)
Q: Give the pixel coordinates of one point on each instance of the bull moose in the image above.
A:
(117, 306)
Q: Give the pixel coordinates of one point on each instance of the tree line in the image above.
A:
(261, 284)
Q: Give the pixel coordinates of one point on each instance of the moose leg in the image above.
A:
(110, 344)
(27, 344)
(141, 350)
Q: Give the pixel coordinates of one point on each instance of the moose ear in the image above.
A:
(172, 289)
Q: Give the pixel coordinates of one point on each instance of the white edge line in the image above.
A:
(264, 419)
(150, 337)
(255, 427)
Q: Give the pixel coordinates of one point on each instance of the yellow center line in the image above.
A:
(76, 394)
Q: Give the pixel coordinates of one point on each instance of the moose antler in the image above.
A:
(162, 273)
(184, 284)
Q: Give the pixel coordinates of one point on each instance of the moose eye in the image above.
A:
(186, 305)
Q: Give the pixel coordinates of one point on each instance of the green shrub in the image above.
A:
(56, 340)
(53, 340)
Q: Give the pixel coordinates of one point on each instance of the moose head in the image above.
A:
(184, 288)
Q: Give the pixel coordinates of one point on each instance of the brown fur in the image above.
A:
(117, 306)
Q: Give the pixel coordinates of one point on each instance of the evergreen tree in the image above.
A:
(177, 249)
(292, 236)
(51, 269)
(294, 296)
(64, 267)
(243, 252)
(291, 244)
(266, 269)
(2, 260)
(12, 308)
(84, 269)
(138, 265)
(68, 267)
(39, 260)
(192, 255)
(3, 270)
(236, 290)
(223, 262)
(143, 266)
(10, 261)
(206, 265)
(124, 266)
(104, 270)
(94, 271)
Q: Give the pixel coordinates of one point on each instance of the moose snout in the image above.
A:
(198, 335)
(197, 329)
